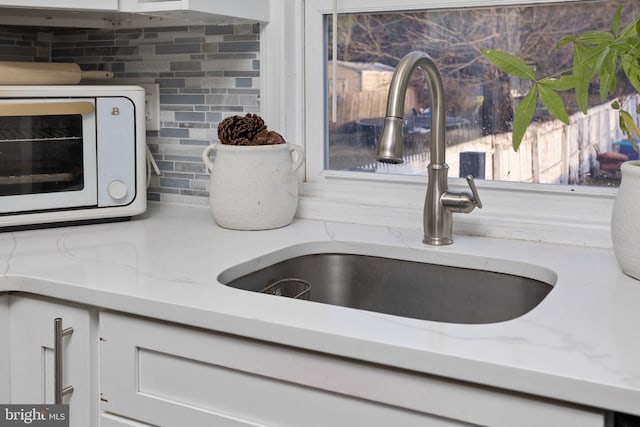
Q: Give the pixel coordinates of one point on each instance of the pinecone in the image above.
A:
(226, 129)
(238, 130)
(267, 137)
(255, 125)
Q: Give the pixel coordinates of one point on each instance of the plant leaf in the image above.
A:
(523, 116)
(565, 41)
(630, 128)
(509, 63)
(606, 71)
(631, 69)
(595, 37)
(615, 22)
(623, 127)
(566, 82)
(631, 29)
(582, 76)
(630, 123)
(625, 130)
(553, 103)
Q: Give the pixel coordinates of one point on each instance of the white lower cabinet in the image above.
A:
(32, 355)
(170, 375)
(5, 355)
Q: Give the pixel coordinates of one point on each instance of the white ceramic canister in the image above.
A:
(625, 225)
(253, 187)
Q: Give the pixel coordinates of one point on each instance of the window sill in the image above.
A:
(566, 215)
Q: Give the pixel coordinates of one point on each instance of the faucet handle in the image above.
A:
(474, 190)
(462, 202)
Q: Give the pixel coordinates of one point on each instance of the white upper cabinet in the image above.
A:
(131, 13)
(63, 4)
(224, 11)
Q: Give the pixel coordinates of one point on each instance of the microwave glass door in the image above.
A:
(47, 154)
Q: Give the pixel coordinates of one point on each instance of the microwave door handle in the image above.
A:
(46, 109)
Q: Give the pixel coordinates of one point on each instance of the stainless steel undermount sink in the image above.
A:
(408, 288)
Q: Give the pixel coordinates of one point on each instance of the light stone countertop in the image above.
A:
(581, 344)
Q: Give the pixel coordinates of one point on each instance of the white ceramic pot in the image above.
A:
(625, 221)
(253, 187)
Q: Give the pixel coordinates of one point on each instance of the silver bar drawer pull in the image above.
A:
(59, 333)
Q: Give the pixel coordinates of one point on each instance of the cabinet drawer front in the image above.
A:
(109, 420)
(171, 375)
(174, 376)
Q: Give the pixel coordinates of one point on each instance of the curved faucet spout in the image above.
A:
(439, 203)
(390, 145)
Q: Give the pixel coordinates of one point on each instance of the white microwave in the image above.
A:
(71, 153)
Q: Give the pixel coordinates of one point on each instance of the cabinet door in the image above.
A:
(5, 372)
(32, 356)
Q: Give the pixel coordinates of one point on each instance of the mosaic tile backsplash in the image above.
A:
(205, 73)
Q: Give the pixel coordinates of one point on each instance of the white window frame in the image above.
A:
(293, 75)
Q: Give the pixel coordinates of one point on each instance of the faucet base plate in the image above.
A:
(437, 241)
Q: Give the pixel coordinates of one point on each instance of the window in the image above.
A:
(480, 100)
(343, 190)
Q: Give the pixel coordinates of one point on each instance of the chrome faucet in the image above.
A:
(439, 204)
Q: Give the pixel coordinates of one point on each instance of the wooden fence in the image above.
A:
(551, 152)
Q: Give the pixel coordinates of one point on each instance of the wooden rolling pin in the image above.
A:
(46, 73)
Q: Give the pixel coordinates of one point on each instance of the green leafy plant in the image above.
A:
(598, 56)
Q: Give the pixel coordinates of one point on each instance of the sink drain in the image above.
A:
(289, 288)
